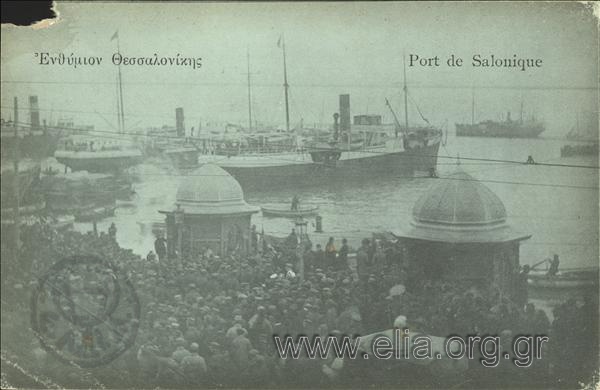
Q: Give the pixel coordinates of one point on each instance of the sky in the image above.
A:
(331, 48)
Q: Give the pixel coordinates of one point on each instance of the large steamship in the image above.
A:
(34, 138)
(354, 150)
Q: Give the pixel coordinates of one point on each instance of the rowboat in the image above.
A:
(287, 213)
(96, 213)
(61, 222)
(565, 279)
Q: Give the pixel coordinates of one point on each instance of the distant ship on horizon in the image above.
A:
(508, 128)
(584, 136)
(585, 128)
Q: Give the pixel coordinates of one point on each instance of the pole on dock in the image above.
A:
(16, 189)
(319, 224)
(285, 86)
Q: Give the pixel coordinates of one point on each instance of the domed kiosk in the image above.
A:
(210, 212)
(459, 232)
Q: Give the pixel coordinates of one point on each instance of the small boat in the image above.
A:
(60, 222)
(49, 171)
(287, 213)
(156, 227)
(95, 214)
(564, 279)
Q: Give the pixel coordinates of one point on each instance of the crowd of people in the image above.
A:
(210, 320)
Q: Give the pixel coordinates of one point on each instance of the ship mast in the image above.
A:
(396, 122)
(120, 109)
(521, 113)
(249, 94)
(472, 107)
(405, 95)
(285, 87)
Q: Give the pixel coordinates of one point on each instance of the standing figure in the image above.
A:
(254, 239)
(160, 247)
(112, 231)
(330, 252)
(343, 255)
(554, 263)
(362, 261)
(295, 202)
(292, 240)
(521, 295)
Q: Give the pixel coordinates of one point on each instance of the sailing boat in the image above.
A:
(102, 155)
(356, 150)
(257, 139)
(584, 136)
(586, 127)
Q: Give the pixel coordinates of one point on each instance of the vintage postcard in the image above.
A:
(301, 195)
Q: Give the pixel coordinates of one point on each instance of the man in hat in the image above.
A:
(237, 324)
(160, 247)
(194, 366)
(319, 257)
(362, 261)
(261, 330)
(240, 349)
(291, 242)
(219, 363)
(330, 252)
(112, 231)
(379, 258)
(180, 353)
(258, 374)
(342, 258)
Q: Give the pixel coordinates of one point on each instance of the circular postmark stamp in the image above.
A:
(85, 311)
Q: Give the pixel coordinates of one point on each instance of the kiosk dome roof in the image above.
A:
(212, 190)
(460, 209)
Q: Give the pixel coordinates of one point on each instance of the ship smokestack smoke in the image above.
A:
(345, 113)
(34, 112)
(179, 123)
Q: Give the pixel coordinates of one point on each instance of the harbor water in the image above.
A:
(558, 206)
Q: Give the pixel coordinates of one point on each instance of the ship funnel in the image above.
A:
(34, 112)
(179, 124)
(16, 114)
(336, 126)
(345, 113)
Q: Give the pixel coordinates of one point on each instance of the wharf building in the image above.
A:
(459, 232)
(210, 213)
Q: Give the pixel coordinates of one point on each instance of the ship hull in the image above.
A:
(98, 164)
(500, 130)
(590, 149)
(394, 164)
(35, 145)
